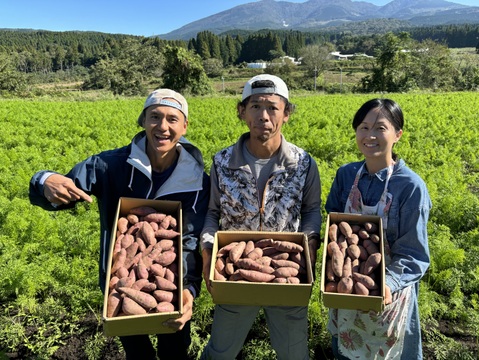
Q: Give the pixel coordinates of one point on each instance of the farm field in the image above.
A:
(50, 303)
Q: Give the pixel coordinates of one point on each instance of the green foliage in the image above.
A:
(49, 260)
(184, 72)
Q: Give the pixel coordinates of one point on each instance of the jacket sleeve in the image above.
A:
(83, 175)
(311, 207)
(194, 210)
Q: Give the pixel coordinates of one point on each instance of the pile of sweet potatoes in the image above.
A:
(265, 260)
(144, 271)
(353, 259)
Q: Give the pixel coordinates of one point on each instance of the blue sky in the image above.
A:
(133, 17)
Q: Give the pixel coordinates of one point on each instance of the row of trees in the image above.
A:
(125, 65)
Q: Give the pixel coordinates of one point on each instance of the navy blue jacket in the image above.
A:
(126, 172)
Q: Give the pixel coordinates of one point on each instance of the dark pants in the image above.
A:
(170, 346)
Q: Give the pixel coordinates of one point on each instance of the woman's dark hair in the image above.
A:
(388, 108)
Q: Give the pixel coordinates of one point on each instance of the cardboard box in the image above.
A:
(260, 294)
(353, 301)
(149, 323)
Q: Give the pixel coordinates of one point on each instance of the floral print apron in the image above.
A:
(371, 335)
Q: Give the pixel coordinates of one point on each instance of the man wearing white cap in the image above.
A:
(262, 183)
(160, 164)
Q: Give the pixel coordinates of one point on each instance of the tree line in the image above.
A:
(126, 64)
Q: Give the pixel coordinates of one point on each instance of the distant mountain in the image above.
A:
(320, 14)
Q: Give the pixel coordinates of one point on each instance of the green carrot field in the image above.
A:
(50, 303)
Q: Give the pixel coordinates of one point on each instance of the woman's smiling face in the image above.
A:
(376, 136)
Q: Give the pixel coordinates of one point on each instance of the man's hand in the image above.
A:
(60, 190)
(179, 323)
(388, 299)
(206, 254)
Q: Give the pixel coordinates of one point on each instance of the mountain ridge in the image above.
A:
(314, 15)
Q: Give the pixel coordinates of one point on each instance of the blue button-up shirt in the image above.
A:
(406, 231)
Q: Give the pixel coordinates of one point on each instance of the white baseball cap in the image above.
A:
(265, 84)
(163, 97)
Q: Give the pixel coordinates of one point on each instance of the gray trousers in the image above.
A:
(288, 331)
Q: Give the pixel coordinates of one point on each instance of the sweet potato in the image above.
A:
(298, 258)
(169, 222)
(255, 254)
(372, 263)
(142, 270)
(331, 247)
(237, 251)
(287, 246)
(170, 275)
(255, 276)
(370, 247)
(360, 289)
(132, 230)
(165, 244)
(280, 256)
(157, 269)
(226, 249)
(353, 251)
(345, 285)
(370, 227)
(122, 224)
(236, 277)
(249, 264)
(122, 272)
(127, 240)
(229, 266)
(154, 225)
(331, 286)
(363, 253)
(219, 276)
(155, 217)
(333, 233)
(347, 267)
(343, 244)
(337, 262)
(166, 258)
(141, 283)
(363, 234)
(132, 218)
(284, 263)
(142, 298)
(264, 260)
(264, 243)
(345, 229)
(113, 281)
(113, 304)
(165, 306)
(329, 270)
(142, 210)
(293, 280)
(119, 261)
(374, 238)
(280, 280)
(285, 272)
(248, 248)
(132, 250)
(166, 233)
(131, 307)
(148, 233)
(163, 295)
(220, 265)
(353, 239)
(164, 284)
(365, 280)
